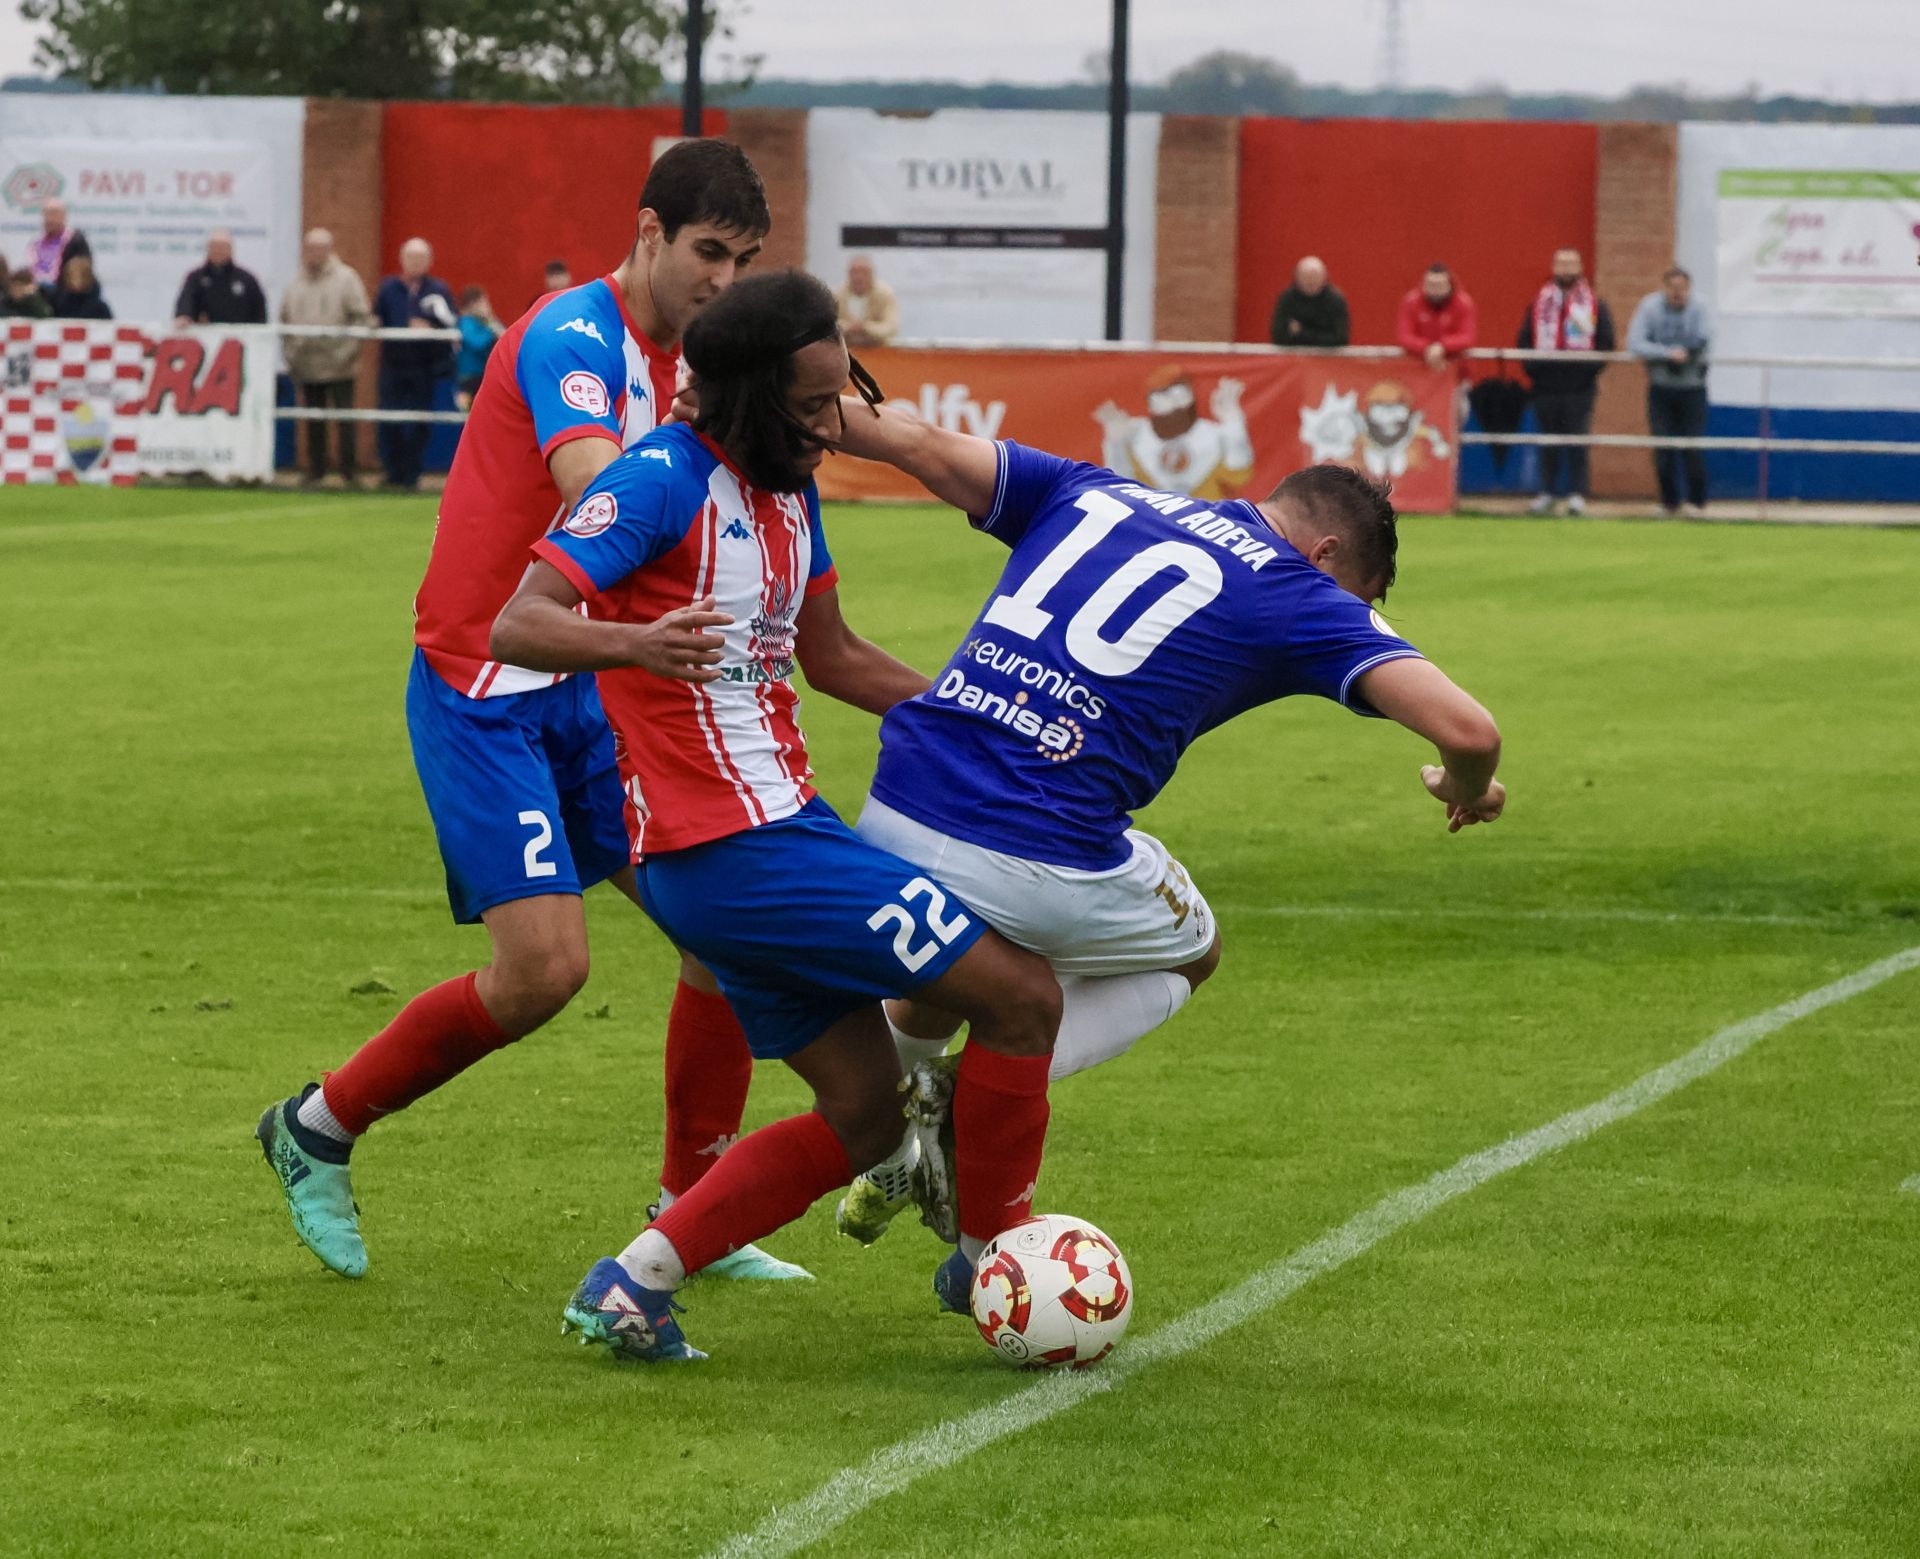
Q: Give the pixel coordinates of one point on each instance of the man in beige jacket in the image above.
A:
(327, 291)
(869, 311)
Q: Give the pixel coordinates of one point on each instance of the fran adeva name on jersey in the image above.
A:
(1207, 525)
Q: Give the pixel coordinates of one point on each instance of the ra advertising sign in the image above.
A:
(989, 225)
(107, 403)
(1828, 242)
(1210, 425)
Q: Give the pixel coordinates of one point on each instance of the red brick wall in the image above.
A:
(1197, 226)
(775, 139)
(1636, 201)
(340, 183)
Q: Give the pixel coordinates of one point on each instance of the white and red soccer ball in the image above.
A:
(1052, 1291)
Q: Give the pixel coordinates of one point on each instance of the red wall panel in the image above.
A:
(1380, 199)
(500, 189)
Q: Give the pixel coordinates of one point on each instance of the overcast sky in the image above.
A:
(1850, 49)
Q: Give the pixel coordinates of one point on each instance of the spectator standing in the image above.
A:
(57, 243)
(1312, 312)
(869, 310)
(480, 328)
(23, 300)
(327, 291)
(220, 292)
(412, 300)
(77, 294)
(1566, 316)
(1671, 333)
(1438, 320)
(558, 277)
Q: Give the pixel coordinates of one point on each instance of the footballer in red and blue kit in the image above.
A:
(518, 766)
(738, 859)
(1127, 623)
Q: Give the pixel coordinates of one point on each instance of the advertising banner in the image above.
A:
(989, 225)
(106, 403)
(1833, 242)
(148, 178)
(1225, 425)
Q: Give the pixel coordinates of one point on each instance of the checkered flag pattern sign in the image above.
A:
(70, 397)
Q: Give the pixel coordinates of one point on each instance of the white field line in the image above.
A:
(1911, 1187)
(792, 1527)
(1621, 914)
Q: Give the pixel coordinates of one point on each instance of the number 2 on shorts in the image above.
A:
(541, 839)
(941, 927)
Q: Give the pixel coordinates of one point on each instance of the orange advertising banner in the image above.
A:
(1214, 425)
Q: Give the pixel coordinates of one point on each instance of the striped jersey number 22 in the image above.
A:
(1022, 612)
(942, 928)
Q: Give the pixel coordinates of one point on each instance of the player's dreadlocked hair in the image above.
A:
(1351, 503)
(706, 180)
(741, 348)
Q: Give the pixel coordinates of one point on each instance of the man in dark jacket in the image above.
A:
(23, 300)
(220, 292)
(1312, 312)
(1566, 316)
(413, 300)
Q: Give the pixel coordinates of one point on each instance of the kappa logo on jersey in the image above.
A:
(637, 390)
(656, 454)
(735, 531)
(584, 327)
(585, 392)
(593, 516)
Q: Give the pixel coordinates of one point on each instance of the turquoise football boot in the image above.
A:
(629, 1321)
(313, 1177)
(748, 1264)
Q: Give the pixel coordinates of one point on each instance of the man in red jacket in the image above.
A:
(1438, 321)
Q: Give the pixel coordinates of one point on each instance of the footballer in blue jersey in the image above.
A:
(1127, 622)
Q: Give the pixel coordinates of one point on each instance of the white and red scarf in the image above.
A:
(1565, 319)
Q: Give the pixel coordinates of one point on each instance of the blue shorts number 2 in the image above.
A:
(524, 790)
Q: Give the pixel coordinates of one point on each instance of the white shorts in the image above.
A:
(1145, 914)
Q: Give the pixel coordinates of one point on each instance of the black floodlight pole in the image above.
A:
(690, 89)
(1116, 167)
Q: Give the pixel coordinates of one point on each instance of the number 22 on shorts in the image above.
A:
(941, 927)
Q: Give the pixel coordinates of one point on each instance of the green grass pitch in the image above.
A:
(1697, 1333)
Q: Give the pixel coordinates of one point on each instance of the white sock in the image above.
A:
(652, 1262)
(912, 1048)
(315, 1116)
(971, 1248)
(1101, 1016)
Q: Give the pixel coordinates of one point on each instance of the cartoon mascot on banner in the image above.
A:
(1387, 438)
(1173, 447)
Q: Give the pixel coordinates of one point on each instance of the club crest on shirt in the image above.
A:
(593, 516)
(770, 649)
(585, 392)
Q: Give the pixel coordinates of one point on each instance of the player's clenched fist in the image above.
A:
(1464, 810)
(678, 645)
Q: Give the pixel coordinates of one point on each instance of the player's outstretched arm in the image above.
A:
(541, 630)
(1420, 696)
(842, 665)
(957, 468)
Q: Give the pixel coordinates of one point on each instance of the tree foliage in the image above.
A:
(577, 51)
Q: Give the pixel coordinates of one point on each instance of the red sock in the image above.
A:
(999, 1130)
(768, 1179)
(435, 1037)
(708, 1070)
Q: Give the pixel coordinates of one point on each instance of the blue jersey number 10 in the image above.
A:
(1023, 612)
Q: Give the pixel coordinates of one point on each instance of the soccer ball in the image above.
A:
(1050, 1291)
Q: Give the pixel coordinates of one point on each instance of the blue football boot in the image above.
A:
(629, 1321)
(313, 1177)
(952, 1280)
